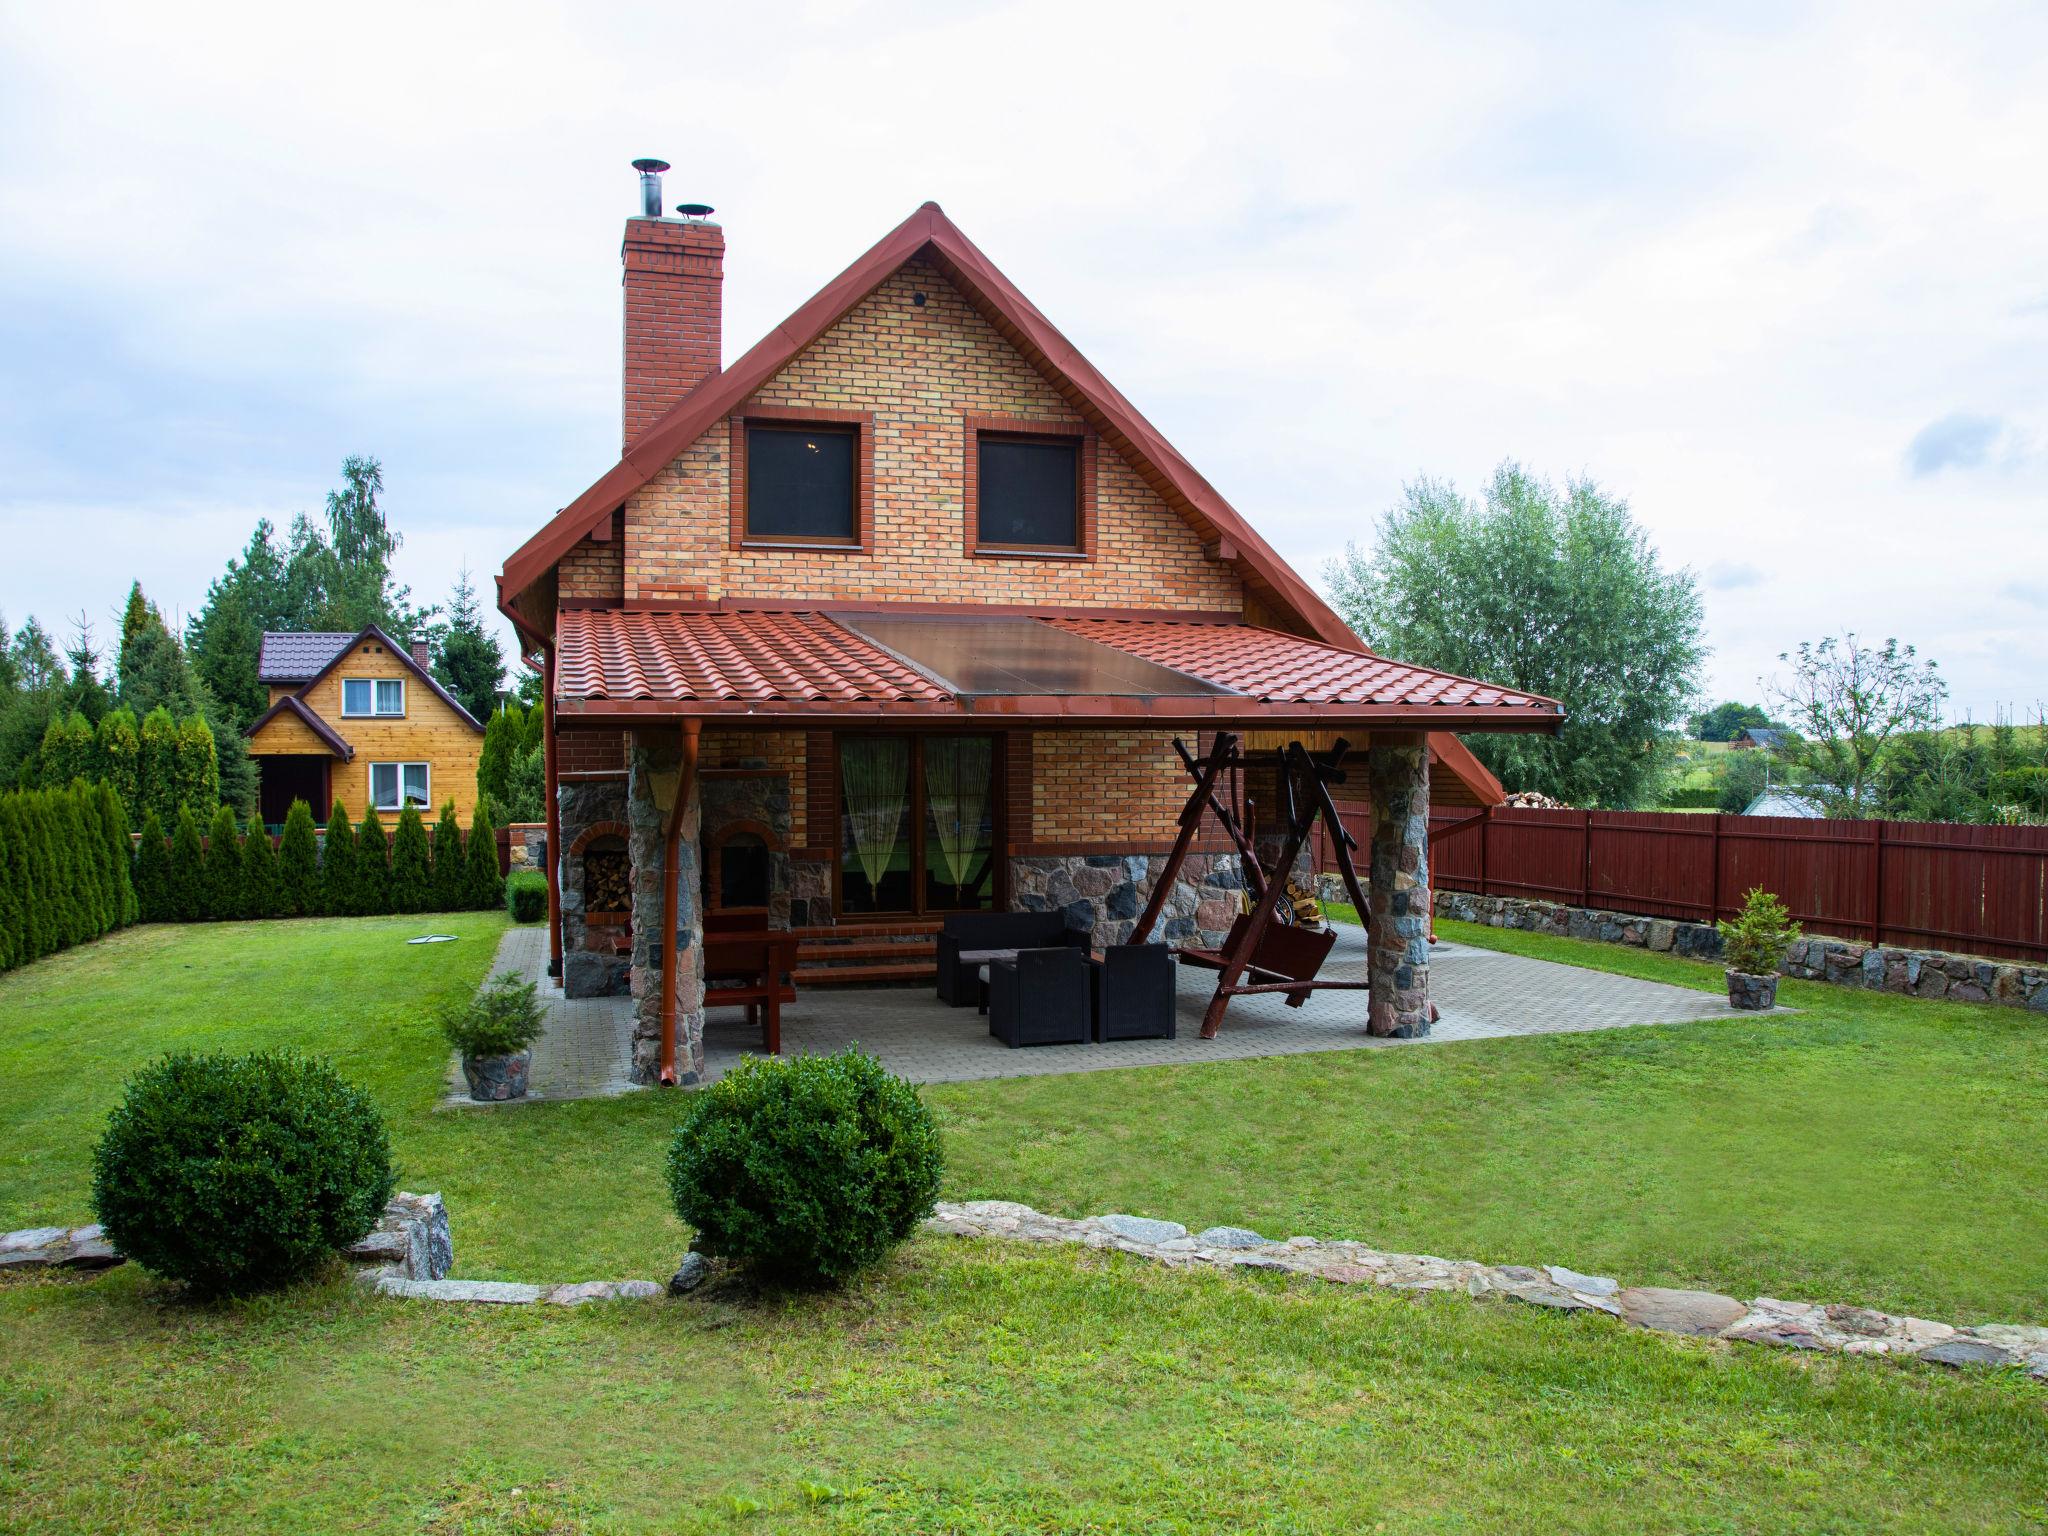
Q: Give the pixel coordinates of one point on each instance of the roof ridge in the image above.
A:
(963, 264)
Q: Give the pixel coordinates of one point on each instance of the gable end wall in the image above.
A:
(922, 370)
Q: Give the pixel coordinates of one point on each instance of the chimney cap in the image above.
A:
(655, 166)
(695, 210)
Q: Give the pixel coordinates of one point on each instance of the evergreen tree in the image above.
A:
(67, 751)
(469, 661)
(225, 639)
(117, 745)
(152, 872)
(259, 871)
(13, 886)
(338, 865)
(503, 733)
(534, 729)
(412, 880)
(451, 872)
(114, 827)
(153, 670)
(99, 906)
(486, 885)
(85, 694)
(223, 884)
(373, 864)
(70, 892)
(298, 864)
(526, 796)
(43, 920)
(157, 772)
(185, 888)
(37, 667)
(196, 766)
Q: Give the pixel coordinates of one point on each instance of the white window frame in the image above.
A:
(376, 685)
(426, 799)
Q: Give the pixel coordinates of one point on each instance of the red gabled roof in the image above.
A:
(928, 230)
(292, 704)
(618, 664)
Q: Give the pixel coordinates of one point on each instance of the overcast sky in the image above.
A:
(1779, 278)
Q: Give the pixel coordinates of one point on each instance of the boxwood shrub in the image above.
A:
(239, 1173)
(526, 895)
(805, 1169)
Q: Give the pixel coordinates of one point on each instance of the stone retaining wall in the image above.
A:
(1836, 1327)
(1841, 962)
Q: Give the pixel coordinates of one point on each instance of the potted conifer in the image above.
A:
(494, 1032)
(1752, 946)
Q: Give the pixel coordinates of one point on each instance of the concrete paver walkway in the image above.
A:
(1483, 994)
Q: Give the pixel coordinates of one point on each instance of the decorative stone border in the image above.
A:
(1840, 962)
(410, 1242)
(1790, 1324)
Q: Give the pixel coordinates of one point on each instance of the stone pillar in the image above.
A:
(655, 759)
(1397, 940)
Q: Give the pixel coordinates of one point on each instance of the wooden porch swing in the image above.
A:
(1260, 954)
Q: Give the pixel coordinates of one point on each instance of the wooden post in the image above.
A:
(1714, 875)
(1190, 818)
(1485, 822)
(552, 790)
(1586, 859)
(1877, 888)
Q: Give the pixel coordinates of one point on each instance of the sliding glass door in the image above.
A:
(917, 824)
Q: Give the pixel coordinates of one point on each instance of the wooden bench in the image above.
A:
(750, 970)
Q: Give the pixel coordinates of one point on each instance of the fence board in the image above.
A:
(1932, 885)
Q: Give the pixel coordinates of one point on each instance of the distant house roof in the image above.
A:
(1785, 802)
(1767, 736)
(298, 657)
(292, 704)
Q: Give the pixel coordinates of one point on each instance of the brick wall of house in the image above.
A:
(590, 752)
(594, 570)
(921, 369)
(1104, 787)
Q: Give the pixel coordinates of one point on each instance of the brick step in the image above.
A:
(904, 927)
(816, 953)
(865, 975)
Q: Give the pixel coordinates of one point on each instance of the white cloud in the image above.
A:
(1726, 262)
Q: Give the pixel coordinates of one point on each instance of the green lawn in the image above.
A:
(1869, 1149)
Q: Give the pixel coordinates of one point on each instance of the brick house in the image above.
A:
(899, 615)
(358, 718)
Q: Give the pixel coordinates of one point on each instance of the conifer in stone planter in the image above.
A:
(1753, 945)
(495, 1031)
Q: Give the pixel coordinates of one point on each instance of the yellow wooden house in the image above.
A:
(359, 719)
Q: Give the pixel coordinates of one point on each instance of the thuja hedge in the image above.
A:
(64, 870)
(222, 874)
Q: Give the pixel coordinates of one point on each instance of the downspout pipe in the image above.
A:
(671, 885)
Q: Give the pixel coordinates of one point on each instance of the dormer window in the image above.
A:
(373, 697)
(1030, 488)
(803, 479)
(802, 483)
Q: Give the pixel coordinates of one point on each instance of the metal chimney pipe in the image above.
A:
(650, 186)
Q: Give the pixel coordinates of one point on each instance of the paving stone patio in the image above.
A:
(1483, 995)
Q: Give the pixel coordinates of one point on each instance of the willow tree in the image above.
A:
(1550, 590)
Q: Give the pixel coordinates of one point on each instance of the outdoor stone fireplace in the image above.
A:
(746, 865)
(596, 875)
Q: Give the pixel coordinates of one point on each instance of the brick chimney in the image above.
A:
(675, 274)
(422, 655)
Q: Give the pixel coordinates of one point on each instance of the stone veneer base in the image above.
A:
(1839, 962)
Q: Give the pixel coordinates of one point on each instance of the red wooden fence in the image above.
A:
(1916, 884)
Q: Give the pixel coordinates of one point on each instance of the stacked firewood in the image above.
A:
(1533, 800)
(607, 882)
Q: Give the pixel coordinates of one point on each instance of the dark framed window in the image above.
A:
(1028, 492)
(803, 482)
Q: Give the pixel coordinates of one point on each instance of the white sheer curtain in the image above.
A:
(874, 772)
(956, 786)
